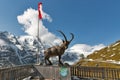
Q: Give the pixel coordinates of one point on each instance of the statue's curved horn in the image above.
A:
(63, 34)
(72, 37)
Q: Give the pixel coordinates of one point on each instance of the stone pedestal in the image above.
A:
(54, 72)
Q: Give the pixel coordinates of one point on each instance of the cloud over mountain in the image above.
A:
(29, 20)
(85, 49)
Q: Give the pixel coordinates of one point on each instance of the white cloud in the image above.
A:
(97, 47)
(29, 20)
(85, 49)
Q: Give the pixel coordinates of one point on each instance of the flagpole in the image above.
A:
(38, 36)
(37, 54)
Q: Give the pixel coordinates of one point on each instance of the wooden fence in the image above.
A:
(16, 73)
(59, 73)
(98, 73)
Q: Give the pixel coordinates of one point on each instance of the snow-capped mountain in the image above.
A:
(20, 50)
(23, 49)
(15, 52)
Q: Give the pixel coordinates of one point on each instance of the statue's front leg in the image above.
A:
(60, 62)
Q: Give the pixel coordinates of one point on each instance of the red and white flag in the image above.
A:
(40, 10)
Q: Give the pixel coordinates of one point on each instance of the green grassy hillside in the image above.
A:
(106, 57)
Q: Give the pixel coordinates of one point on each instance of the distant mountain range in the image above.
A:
(105, 57)
(13, 51)
(21, 50)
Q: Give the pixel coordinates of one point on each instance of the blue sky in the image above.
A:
(91, 21)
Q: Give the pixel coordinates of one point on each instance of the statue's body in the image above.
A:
(57, 50)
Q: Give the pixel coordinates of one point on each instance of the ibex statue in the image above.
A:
(57, 50)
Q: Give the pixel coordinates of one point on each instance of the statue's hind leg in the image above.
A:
(47, 59)
(50, 63)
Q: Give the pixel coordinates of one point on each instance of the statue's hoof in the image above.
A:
(60, 64)
(49, 64)
(66, 64)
